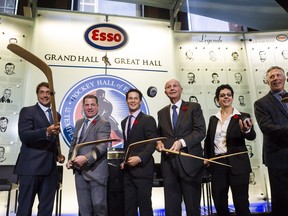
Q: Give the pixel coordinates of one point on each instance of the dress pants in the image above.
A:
(221, 180)
(175, 188)
(279, 190)
(137, 193)
(44, 186)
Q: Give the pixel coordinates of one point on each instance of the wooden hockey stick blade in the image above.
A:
(194, 156)
(228, 155)
(33, 59)
(96, 142)
(133, 145)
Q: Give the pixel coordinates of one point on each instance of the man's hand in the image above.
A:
(80, 160)
(159, 146)
(53, 129)
(133, 161)
(176, 145)
(60, 158)
(69, 164)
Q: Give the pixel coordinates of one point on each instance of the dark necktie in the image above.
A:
(50, 116)
(174, 116)
(84, 128)
(129, 125)
(284, 104)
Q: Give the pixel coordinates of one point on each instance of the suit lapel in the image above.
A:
(91, 125)
(42, 115)
(214, 122)
(232, 123)
(277, 104)
(134, 125)
(168, 117)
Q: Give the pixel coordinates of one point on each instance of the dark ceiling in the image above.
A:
(255, 14)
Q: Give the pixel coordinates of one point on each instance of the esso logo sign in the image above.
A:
(106, 36)
(282, 37)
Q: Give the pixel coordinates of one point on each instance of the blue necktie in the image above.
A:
(129, 125)
(174, 116)
(50, 116)
(281, 96)
(84, 128)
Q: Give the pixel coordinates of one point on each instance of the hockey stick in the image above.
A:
(132, 145)
(227, 155)
(80, 145)
(194, 156)
(29, 57)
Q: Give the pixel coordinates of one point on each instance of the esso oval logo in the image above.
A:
(106, 36)
(282, 37)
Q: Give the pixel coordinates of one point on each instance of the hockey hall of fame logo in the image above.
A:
(110, 91)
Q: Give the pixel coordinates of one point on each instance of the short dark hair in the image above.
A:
(134, 90)
(45, 84)
(4, 118)
(90, 96)
(221, 87)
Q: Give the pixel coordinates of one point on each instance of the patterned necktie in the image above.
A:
(83, 130)
(174, 116)
(129, 125)
(283, 95)
(50, 116)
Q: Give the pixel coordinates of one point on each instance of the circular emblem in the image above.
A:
(111, 94)
(282, 37)
(106, 36)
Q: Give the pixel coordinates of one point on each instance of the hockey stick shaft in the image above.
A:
(96, 142)
(194, 156)
(133, 145)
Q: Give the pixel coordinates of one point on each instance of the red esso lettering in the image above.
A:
(103, 36)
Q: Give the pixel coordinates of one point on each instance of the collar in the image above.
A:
(178, 104)
(44, 108)
(235, 112)
(135, 114)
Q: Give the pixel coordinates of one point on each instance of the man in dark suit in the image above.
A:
(36, 164)
(90, 165)
(139, 168)
(182, 175)
(272, 118)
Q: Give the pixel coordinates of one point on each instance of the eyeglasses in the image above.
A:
(224, 95)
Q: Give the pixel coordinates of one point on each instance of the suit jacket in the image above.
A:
(272, 119)
(144, 127)
(98, 129)
(38, 152)
(235, 141)
(190, 127)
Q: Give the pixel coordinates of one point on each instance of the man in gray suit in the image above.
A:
(272, 118)
(90, 165)
(184, 125)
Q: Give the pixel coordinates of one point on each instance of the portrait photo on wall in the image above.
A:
(191, 79)
(11, 97)
(8, 128)
(11, 69)
(215, 77)
(262, 55)
(237, 77)
(6, 96)
(2, 154)
(188, 54)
